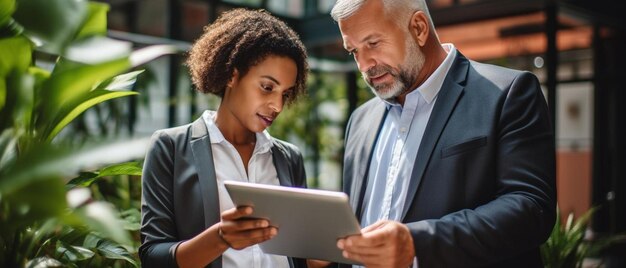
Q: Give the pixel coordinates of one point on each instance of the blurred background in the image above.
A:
(577, 49)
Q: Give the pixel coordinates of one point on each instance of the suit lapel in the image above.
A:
(203, 160)
(359, 186)
(281, 164)
(448, 96)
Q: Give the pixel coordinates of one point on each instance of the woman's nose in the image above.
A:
(276, 104)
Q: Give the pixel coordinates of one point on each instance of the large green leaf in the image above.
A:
(34, 201)
(102, 218)
(18, 110)
(120, 82)
(91, 241)
(113, 251)
(49, 160)
(34, 165)
(68, 88)
(132, 219)
(96, 22)
(73, 253)
(96, 49)
(43, 262)
(8, 147)
(91, 99)
(7, 7)
(51, 23)
(15, 55)
(40, 75)
(87, 178)
(68, 85)
(3, 92)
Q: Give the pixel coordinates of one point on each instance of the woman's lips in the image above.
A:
(267, 120)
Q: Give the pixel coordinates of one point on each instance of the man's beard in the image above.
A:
(402, 79)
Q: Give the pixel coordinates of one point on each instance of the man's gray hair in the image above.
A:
(400, 9)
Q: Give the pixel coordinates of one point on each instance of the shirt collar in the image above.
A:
(263, 139)
(430, 88)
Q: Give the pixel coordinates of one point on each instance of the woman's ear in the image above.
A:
(233, 79)
(419, 27)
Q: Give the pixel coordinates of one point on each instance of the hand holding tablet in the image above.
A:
(309, 221)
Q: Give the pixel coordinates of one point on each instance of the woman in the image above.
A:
(256, 64)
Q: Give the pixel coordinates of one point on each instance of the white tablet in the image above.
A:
(309, 221)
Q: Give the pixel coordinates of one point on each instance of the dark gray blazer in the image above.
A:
(179, 190)
(482, 191)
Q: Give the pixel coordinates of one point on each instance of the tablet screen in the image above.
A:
(309, 221)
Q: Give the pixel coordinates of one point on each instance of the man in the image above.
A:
(453, 165)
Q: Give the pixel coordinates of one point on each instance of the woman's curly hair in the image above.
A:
(240, 39)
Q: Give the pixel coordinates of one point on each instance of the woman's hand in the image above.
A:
(238, 231)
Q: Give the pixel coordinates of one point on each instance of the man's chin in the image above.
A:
(385, 93)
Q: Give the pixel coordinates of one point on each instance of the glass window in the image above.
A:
(289, 8)
(251, 3)
(324, 6)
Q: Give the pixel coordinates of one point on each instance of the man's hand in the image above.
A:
(239, 232)
(382, 244)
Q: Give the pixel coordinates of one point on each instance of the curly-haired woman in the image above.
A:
(256, 64)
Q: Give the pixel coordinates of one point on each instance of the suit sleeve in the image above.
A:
(159, 238)
(521, 214)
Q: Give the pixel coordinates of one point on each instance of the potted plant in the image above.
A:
(569, 245)
(55, 63)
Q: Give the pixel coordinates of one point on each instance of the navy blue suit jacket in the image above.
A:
(482, 191)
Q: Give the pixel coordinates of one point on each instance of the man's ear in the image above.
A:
(419, 27)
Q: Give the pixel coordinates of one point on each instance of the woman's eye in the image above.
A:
(373, 44)
(267, 88)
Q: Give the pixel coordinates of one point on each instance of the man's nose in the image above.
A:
(364, 61)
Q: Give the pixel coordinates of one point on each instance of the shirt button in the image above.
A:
(403, 129)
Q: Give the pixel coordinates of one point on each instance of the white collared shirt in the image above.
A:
(396, 148)
(229, 166)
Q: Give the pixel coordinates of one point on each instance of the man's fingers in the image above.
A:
(374, 226)
(371, 239)
(379, 238)
(369, 259)
(365, 251)
(384, 244)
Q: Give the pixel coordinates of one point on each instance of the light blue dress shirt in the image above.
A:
(396, 148)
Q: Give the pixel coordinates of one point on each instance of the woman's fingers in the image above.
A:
(243, 239)
(243, 225)
(236, 213)
(240, 231)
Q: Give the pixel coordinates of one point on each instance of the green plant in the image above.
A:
(37, 224)
(567, 245)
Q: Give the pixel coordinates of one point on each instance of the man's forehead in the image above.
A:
(360, 31)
